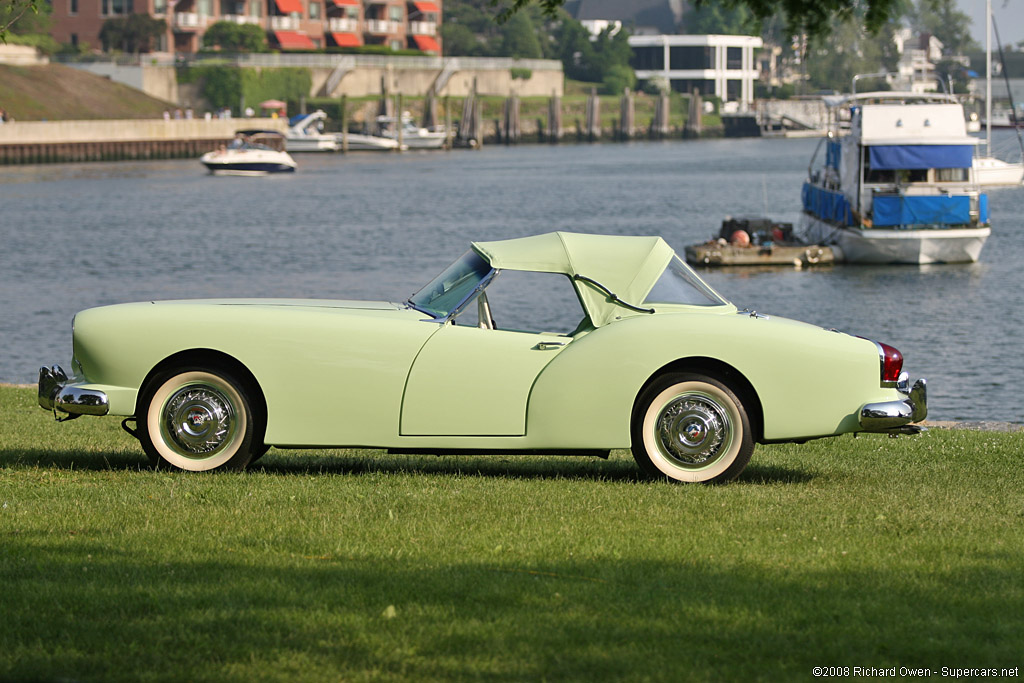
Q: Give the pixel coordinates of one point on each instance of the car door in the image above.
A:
(473, 377)
(468, 381)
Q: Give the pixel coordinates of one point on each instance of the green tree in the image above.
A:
(592, 59)
(576, 52)
(133, 34)
(942, 19)
(232, 37)
(519, 38)
(617, 78)
(833, 61)
(33, 21)
(811, 16)
(460, 40)
(12, 11)
(471, 25)
(717, 17)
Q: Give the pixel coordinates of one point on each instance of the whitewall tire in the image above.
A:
(197, 420)
(691, 428)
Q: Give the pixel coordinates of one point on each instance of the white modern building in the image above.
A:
(718, 65)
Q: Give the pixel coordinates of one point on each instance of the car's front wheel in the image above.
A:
(691, 428)
(197, 419)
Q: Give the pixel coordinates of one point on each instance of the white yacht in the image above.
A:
(412, 136)
(990, 170)
(252, 152)
(305, 134)
(896, 182)
(362, 142)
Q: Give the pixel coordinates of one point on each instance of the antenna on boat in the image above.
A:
(1009, 92)
(988, 77)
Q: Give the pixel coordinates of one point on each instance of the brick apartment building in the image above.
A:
(289, 24)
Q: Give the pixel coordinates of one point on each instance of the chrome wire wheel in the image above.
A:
(197, 420)
(691, 428)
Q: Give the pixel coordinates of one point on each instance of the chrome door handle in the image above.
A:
(545, 345)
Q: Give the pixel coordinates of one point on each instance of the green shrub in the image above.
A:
(225, 85)
(617, 79)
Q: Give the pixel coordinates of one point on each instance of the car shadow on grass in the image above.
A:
(92, 461)
(618, 468)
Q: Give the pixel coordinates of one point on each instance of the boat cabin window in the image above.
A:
(950, 175)
(902, 176)
(883, 177)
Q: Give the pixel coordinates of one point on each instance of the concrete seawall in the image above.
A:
(56, 141)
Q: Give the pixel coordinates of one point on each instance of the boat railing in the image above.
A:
(878, 74)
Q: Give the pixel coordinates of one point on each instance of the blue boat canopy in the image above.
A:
(932, 210)
(908, 157)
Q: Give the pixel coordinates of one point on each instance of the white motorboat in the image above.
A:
(896, 185)
(305, 134)
(412, 136)
(989, 170)
(252, 152)
(362, 142)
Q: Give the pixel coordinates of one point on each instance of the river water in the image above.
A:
(378, 226)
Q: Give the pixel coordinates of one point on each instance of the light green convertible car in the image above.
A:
(614, 342)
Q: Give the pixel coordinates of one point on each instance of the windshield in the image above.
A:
(680, 285)
(452, 287)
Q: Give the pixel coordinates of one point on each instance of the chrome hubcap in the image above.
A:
(198, 421)
(693, 430)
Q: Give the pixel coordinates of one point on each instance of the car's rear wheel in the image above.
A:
(691, 428)
(197, 419)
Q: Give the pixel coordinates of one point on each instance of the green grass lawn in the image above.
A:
(352, 565)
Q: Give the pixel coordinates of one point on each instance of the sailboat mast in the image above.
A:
(988, 77)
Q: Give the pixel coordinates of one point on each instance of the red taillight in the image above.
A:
(892, 362)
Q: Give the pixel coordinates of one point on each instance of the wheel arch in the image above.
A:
(724, 373)
(212, 360)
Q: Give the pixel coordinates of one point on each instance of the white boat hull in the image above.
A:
(429, 141)
(420, 140)
(312, 143)
(882, 245)
(989, 172)
(358, 142)
(247, 162)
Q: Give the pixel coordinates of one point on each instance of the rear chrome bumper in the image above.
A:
(897, 416)
(57, 392)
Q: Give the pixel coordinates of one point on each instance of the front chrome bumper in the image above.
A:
(57, 392)
(897, 416)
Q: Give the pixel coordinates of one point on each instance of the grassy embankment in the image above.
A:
(55, 92)
(352, 565)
